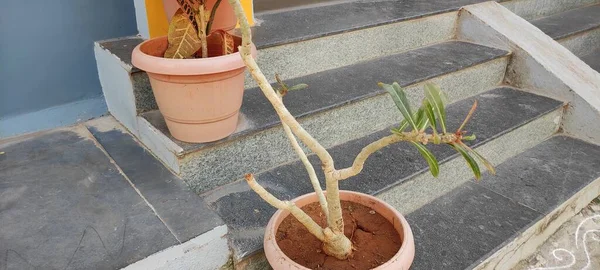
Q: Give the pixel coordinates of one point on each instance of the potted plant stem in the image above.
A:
(324, 215)
(196, 72)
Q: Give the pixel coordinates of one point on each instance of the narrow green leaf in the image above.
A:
(401, 102)
(470, 161)
(403, 126)
(471, 137)
(298, 87)
(434, 95)
(430, 115)
(434, 167)
(421, 119)
(488, 165)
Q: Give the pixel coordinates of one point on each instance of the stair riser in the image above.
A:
(583, 43)
(315, 55)
(204, 170)
(423, 188)
(534, 9)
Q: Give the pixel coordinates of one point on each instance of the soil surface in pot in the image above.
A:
(374, 238)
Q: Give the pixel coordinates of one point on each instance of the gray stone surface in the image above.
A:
(64, 205)
(271, 5)
(246, 214)
(548, 174)
(464, 225)
(534, 9)
(142, 91)
(309, 23)
(122, 49)
(593, 59)
(338, 87)
(182, 210)
(570, 22)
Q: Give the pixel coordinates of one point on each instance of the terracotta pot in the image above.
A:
(200, 99)
(224, 19)
(402, 260)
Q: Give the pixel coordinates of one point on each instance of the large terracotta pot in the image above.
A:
(402, 260)
(224, 19)
(200, 99)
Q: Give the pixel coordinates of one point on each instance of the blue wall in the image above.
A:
(47, 57)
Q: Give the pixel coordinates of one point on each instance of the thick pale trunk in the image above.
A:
(337, 245)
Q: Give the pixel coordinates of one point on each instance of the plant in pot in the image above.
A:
(196, 72)
(336, 229)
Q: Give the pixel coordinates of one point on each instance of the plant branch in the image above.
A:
(367, 151)
(302, 217)
(314, 180)
(285, 116)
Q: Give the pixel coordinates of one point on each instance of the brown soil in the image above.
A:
(374, 238)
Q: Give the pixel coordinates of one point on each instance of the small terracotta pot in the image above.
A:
(224, 19)
(200, 99)
(402, 260)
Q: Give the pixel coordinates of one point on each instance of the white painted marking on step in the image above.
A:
(572, 253)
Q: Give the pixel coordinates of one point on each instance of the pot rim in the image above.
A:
(199, 66)
(406, 231)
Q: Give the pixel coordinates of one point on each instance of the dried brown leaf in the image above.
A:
(183, 38)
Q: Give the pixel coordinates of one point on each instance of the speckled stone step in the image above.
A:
(339, 105)
(484, 222)
(504, 114)
(577, 29)
(593, 59)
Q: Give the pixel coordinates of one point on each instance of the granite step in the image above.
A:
(496, 222)
(593, 59)
(346, 101)
(261, 6)
(504, 115)
(576, 29)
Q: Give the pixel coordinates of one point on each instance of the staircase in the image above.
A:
(578, 30)
(546, 158)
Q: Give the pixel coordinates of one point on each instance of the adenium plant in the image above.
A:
(419, 128)
(189, 29)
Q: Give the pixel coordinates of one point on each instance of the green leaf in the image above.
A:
(401, 102)
(470, 161)
(471, 137)
(430, 115)
(488, 165)
(402, 127)
(421, 119)
(298, 87)
(436, 98)
(434, 167)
